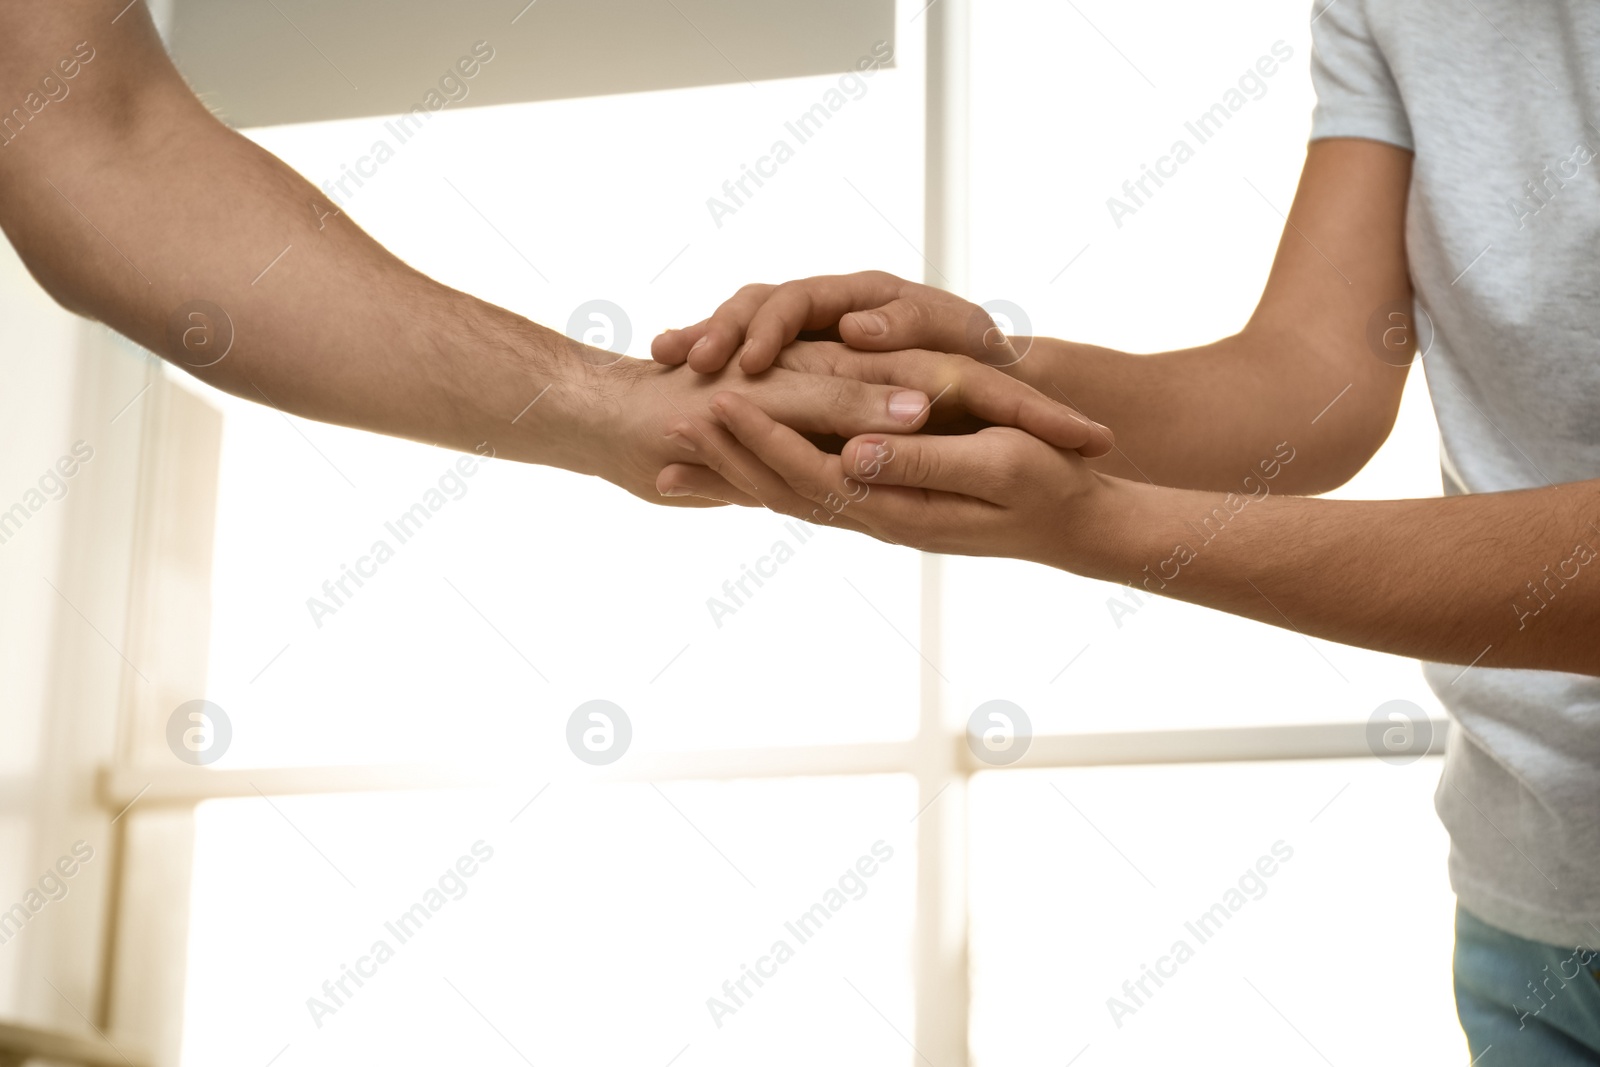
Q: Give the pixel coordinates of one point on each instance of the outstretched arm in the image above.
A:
(131, 204)
(1494, 579)
(1321, 362)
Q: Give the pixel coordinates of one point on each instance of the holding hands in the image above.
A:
(997, 492)
(1014, 484)
(871, 311)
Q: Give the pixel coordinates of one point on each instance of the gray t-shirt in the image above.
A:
(1497, 99)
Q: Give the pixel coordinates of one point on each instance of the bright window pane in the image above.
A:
(1185, 269)
(1082, 878)
(597, 930)
(536, 590)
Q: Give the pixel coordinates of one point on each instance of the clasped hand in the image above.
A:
(1014, 483)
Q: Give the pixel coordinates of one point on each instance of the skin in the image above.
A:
(127, 200)
(1185, 506)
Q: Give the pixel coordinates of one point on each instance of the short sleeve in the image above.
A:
(1356, 91)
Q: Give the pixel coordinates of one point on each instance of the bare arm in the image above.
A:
(1196, 418)
(130, 203)
(1495, 579)
(1201, 418)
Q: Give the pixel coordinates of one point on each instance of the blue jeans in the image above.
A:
(1524, 1002)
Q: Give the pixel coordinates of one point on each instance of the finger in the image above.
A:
(798, 479)
(889, 512)
(742, 472)
(725, 330)
(960, 384)
(690, 480)
(998, 398)
(842, 406)
(811, 304)
(672, 346)
(933, 321)
(981, 465)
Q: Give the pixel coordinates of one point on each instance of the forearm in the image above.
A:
(1501, 579)
(131, 210)
(1203, 418)
(1315, 366)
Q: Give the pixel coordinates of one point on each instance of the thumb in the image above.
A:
(968, 464)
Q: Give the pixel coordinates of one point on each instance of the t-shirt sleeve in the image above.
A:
(1356, 91)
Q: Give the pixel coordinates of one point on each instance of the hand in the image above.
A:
(873, 311)
(819, 388)
(649, 417)
(997, 492)
(848, 396)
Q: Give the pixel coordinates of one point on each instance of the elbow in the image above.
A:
(55, 255)
(59, 282)
(1329, 464)
(1335, 469)
(66, 290)
(1340, 444)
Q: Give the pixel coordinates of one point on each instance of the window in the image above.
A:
(819, 727)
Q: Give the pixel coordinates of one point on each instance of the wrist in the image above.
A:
(1042, 363)
(558, 400)
(1114, 531)
(598, 425)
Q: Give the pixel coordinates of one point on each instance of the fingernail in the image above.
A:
(698, 345)
(907, 405)
(676, 490)
(738, 357)
(681, 441)
(869, 460)
(871, 323)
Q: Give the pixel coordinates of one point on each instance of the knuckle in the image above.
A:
(1006, 476)
(843, 393)
(1013, 439)
(917, 315)
(833, 357)
(802, 359)
(792, 303)
(1009, 463)
(878, 279)
(951, 368)
(816, 490)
